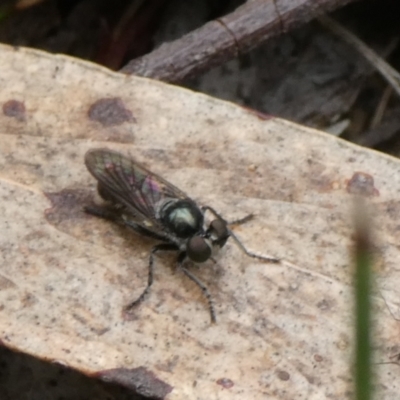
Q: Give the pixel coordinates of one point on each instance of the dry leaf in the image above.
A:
(284, 331)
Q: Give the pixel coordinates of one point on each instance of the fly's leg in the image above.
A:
(200, 284)
(241, 246)
(154, 250)
(205, 291)
(251, 254)
(212, 211)
(238, 221)
(241, 221)
(103, 212)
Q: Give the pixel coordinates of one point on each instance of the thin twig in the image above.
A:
(221, 40)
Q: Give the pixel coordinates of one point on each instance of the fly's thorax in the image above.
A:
(181, 217)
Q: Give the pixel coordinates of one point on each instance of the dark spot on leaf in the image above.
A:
(325, 305)
(225, 383)
(109, 112)
(283, 375)
(318, 357)
(14, 109)
(362, 184)
(169, 365)
(210, 121)
(140, 380)
(28, 300)
(6, 283)
(66, 205)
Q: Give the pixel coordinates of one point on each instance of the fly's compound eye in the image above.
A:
(218, 231)
(198, 249)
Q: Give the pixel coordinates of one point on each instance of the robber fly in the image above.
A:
(151, 206)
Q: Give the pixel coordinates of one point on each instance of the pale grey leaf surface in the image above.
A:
(283, 331)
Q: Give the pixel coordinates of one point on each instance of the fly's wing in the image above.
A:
(131, 184)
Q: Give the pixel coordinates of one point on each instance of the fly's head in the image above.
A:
(218, 232)
(199, 247)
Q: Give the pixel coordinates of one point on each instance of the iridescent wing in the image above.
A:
(131, 185)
